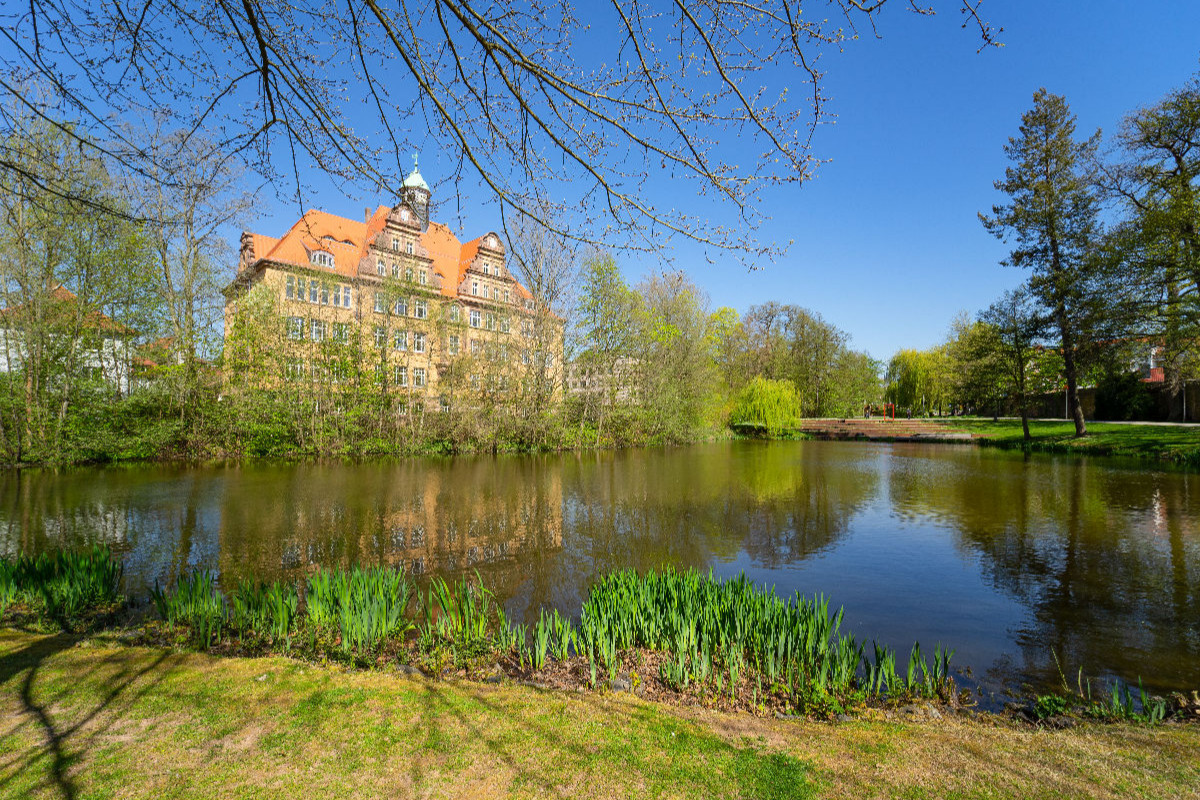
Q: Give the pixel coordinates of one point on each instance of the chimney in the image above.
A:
(366, 214)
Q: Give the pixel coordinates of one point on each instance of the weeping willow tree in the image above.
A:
(768, 405)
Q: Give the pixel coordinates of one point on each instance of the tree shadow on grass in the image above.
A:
(64, 741)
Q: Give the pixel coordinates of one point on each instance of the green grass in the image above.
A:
(90, 718)
(65, 589)
(1174, 443)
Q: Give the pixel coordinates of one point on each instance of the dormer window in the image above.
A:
(321, 258)
(404, 215)
(491, 242)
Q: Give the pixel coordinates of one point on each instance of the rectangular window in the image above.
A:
(395, 270)
(486, 294)
(345, 297)
(424, 277)
(475, 317)
(341, 332)
(316, 330)
(444, 404)
(476, 346)
(408, 274)
(380, 269)
(421, 309)
(295, 327)
(324, 295)
(491, 322)
(313, 291)
(452, 345)
(400, 376)
(396, 245)
(526, 328)
(410, 248)
(402, 307)
(506, 296)
(380, 336)
(294, 370)
(400, 340)
(475, 288)
(380, 305)
(290, 294)
(419, 376)
(503, 323)
(418, 343)
(455, 314)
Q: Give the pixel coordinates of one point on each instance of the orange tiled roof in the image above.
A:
(446, 252)
(350, 241)
(346, 239)
(62, 296)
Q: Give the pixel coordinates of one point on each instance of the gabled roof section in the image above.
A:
(317, 230)
(350, 243)
(446, 251)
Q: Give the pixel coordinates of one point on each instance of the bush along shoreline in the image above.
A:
(678, 637)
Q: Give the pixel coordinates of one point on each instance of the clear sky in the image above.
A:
(887, 244)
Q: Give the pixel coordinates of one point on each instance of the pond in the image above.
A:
(1029, 567)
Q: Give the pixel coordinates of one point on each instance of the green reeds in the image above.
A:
(63, 586)
(708, 627)
(541, 640)
(194, 602)
(362, 606)
(269, 608)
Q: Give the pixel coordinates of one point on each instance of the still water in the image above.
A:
(1014, 561)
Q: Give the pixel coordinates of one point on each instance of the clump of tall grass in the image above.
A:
(717, 632)
(269, 608)
(363, 606)
(195, 603)
(64, 586)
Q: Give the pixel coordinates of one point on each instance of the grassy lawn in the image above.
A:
(89, 718)
(1177, 443)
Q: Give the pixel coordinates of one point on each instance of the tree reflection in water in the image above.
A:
(1096, 563)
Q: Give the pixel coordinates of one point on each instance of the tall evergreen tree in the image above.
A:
(1052, 221)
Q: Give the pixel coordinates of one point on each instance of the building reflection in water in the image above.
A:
(1022, 563)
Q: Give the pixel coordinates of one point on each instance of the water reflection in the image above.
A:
(1106, 559)
(1013, 560)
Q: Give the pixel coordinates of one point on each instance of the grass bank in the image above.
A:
(1179, 444)
(95, 718)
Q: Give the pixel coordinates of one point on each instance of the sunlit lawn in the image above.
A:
(1167, 442)
(102, 720)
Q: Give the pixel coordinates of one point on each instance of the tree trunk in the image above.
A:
(1070, 370)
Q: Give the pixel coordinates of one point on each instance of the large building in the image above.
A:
(430, 312)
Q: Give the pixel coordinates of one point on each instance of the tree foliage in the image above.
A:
(1052, 222)
(581, 106)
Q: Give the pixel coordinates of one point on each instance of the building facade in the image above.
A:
(434, 318)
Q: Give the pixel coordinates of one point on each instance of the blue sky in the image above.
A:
(887, 244)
